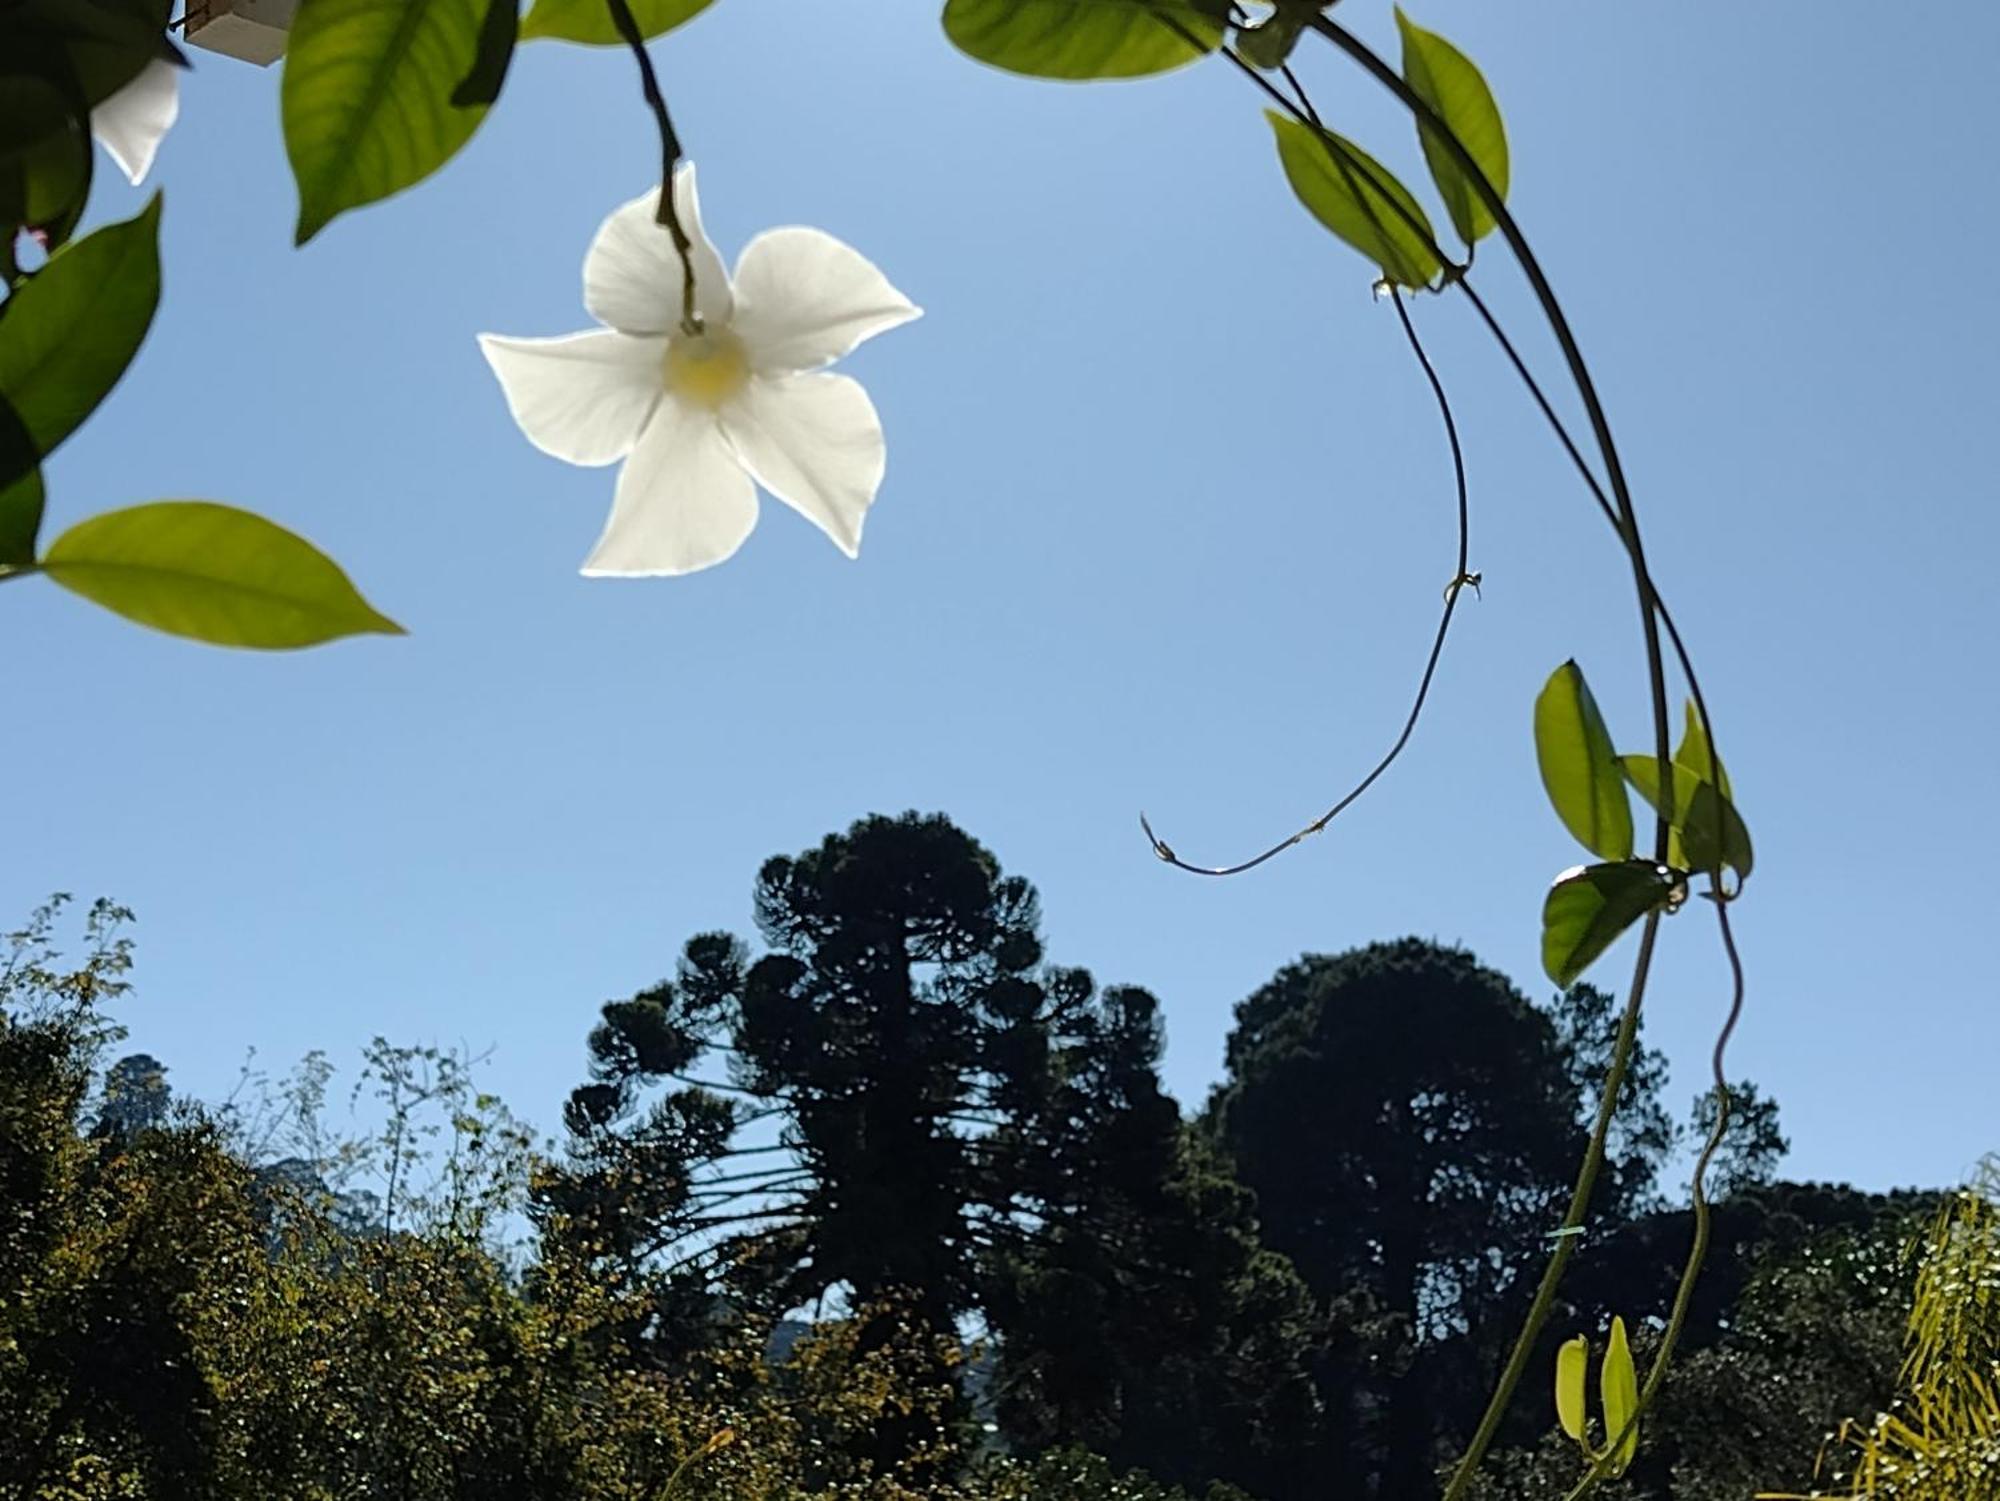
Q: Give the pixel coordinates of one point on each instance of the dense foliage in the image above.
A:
(891, 1208)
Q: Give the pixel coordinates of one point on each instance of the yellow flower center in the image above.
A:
(707, 368)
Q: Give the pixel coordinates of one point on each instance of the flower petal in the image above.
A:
(683, 500)
(131, 122)
(804, 299)
(632, 277)
(583, 397)
(815, 442)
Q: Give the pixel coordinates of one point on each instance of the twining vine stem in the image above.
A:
(1651, 610)
(1656, 1374)
(1620, 512)
(670, 156)
(1461, 578)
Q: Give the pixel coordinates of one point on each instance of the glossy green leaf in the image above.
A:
(367, 98)
(1589, 907)
(55, 185)
(1707, 833)
(70, 332)
(46, 160)
(1079, 39)
(1446, 79)
(1358, 198)
(1698, 756)
(1579, 767)
(589, 21)
(1571, 1362)
(1268, 44)
(1643, 772)
(217, 574)
(497, 34)
(1619, 1383)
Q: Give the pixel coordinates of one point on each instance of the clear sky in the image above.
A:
(1165, 526)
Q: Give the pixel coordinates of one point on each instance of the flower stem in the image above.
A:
(670, 156)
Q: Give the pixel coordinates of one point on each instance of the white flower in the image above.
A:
(701, 417)
(131, 122)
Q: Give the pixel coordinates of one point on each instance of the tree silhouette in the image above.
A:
(898, 1099)
(1411, 1125)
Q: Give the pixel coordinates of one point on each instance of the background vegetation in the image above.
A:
(887, 1203)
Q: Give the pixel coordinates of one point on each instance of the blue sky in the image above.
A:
(1165, 525)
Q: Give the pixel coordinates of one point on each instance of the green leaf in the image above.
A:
(1358, 198)
(1589, 907)
(94, 47)
(589, 21)
(217, 574)
(1706, 832)
(1445, 79)
(70, 332)
(1619, 1384)
(496, 50)
(1698, 756)
(20, 519)
(18, 454)
(1077, 39)
(20, 492)
(1579, 767)
(44, 182)
(1571, 1361)
(367, 98)
(1268, 44)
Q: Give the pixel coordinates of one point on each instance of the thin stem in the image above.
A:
(1591, 482)
(1573, 1221)
(670, 156)
(1656, 1374)
(1302, 110)
(1621, 512)
(1460, 578)
(1579, 369)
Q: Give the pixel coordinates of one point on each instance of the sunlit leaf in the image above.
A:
(1579, 766)
(1446, 80)
(1707, 833)
(1571, 1363)
(1620, 1386)
(1358, 198)
(1085, 38)
(497, 33)
(217, 574)
(1589, 907)
(367, 98)
(1268, 43)
(1698, 756)
(70, 332)
(590, 20)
